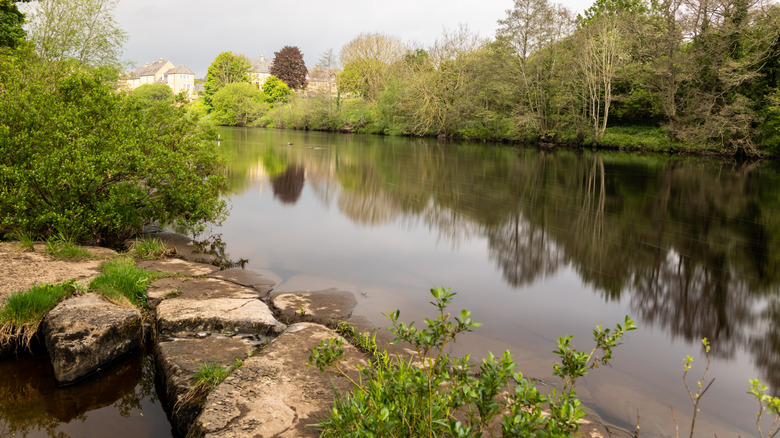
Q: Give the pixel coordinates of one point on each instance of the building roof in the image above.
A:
(180, 70)
(149, 69)
(260, 65)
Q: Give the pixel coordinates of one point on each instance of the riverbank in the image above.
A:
(291, 387)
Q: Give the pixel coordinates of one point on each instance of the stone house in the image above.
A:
(260, 71)
(321, 81)
(163, 72)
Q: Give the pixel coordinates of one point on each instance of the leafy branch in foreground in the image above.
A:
(432, 394)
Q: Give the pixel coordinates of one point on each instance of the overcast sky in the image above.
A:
(194, 32)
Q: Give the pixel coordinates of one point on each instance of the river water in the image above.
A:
(537, 244)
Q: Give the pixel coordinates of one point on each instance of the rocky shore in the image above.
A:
(203, 315)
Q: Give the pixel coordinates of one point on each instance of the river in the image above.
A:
(537, 244)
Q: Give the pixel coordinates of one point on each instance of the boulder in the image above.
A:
(226, 316)
(320, 306)
(83, 334)
(276, 393)
(177, 362)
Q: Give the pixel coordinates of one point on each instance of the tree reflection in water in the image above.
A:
(693, 245)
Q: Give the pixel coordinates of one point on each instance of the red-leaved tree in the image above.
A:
(288, 66)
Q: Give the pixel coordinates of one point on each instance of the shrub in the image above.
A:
(78, 158)
(432, 394)
(150, 93)
(238, 104)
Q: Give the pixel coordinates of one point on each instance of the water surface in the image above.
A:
(537, 244)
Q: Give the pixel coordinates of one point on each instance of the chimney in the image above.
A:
(262, 58)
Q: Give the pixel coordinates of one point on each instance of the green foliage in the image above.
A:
(122, 280)
(226, 68)
(11, 21)
(149, 249)
(238, 104)
(432, 394)
(276, 91)
(766, 405)
(289, 67)
(148, 94)
(78, 158)
(63, 247)
(22, 312)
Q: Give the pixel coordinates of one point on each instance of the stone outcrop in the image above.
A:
(213, 319)
(275, 393)
(320, 306)
(85, 333)
(244, 277)
(177, 362)
(228, 316)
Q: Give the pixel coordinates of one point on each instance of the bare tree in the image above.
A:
(366, 61)
(84, 30)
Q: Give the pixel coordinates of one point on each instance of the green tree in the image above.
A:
(152, 93)
(238, 104)
(84, 30)
(366, 61)
(227, 68)
(275, 90)
(288, 66)
(11, 21)
(79, 159)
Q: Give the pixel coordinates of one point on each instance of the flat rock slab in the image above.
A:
(245, 277)
(177, 266)
(196, 289)
(275, 393)
(320, 306)
(177, 362)
(220, 315)
(85, 333)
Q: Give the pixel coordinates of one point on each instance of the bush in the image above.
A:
(95, 165)
(238, 104)
(151, 93)
(432, 394)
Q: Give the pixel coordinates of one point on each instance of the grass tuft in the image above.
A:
(207, 377)
(65, 248)
(25, 240)
(22, 312)
(122, 280)
(150, 249)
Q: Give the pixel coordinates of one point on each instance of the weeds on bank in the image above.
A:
(22, 312)
(150, 249)
(64, 248)
(123, 280)
(767, 405)
(432, 394)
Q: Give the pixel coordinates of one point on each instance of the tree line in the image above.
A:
(695, 74)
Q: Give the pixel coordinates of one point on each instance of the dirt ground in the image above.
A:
(21, 269)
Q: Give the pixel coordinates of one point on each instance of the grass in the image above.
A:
(25, 240)
(207, 377)
(122, 280)
(150, 249)
(65, 248)
(646, 137)
(22, 312)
